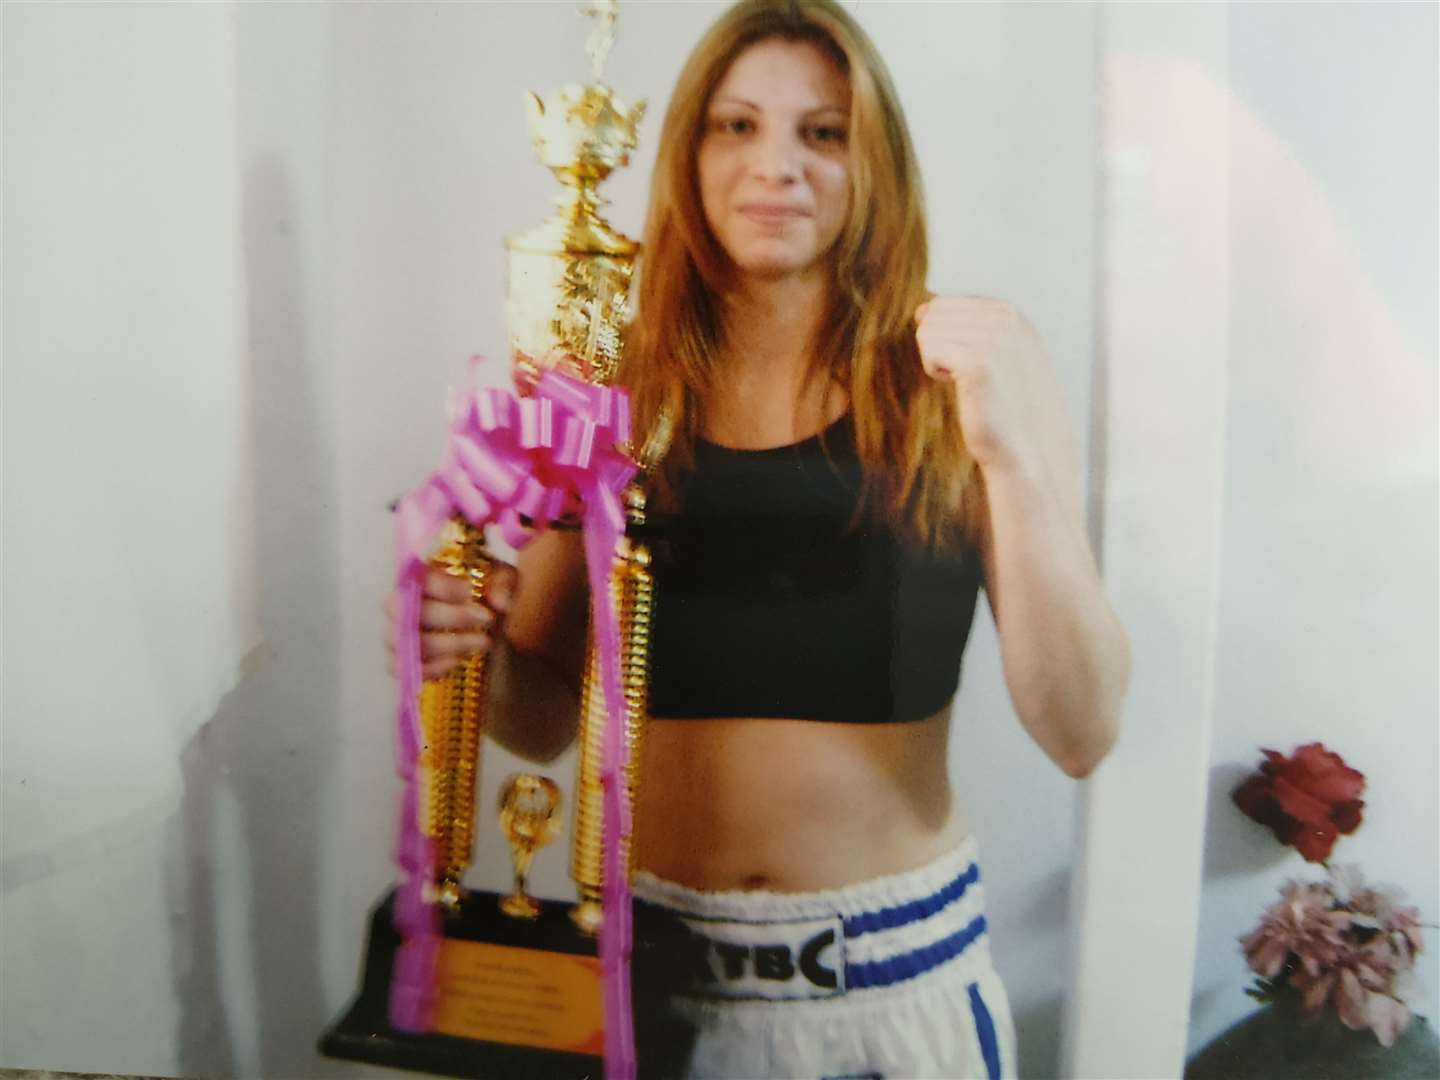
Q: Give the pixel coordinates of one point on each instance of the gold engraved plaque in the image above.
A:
(526, 997)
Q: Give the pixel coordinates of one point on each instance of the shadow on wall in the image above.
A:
(1233, 843)
(270, 745)
(1038, 1022)
(1038, 1031)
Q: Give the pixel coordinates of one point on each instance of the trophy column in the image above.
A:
(633, 593)
(452, 716)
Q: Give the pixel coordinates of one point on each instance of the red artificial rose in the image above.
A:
(1308, 800)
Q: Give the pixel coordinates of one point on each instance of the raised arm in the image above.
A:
(1065, 654)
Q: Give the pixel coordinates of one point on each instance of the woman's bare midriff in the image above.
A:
(793, 805)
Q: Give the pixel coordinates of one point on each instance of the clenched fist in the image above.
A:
(1011, 410)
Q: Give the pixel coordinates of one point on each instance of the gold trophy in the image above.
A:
(517, 979)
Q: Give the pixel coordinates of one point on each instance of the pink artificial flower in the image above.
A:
(1302, 924)
(1340, 941)
(1389, 1017)
(1360, 1007)
(1391, 919)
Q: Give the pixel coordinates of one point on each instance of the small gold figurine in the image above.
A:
(530, 819)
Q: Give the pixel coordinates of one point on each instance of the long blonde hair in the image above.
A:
(916, 469)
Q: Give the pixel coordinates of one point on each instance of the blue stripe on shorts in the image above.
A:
(985, 1028)
(918, 961)
(914, 911)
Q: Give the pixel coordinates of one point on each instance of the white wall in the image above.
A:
(1268, 364)
(1328, 625)
(130, 561)
(167, 406)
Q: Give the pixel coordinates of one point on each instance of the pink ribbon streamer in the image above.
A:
(545, 457)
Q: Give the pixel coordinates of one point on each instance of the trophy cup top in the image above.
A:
(569, 277)
(581, 134)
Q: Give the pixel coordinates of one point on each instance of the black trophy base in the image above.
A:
(364, 1033)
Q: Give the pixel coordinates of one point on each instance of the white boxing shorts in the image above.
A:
(882, 980)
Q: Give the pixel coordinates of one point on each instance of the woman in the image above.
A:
(850, 461)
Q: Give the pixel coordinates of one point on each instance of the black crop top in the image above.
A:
(767, 602)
